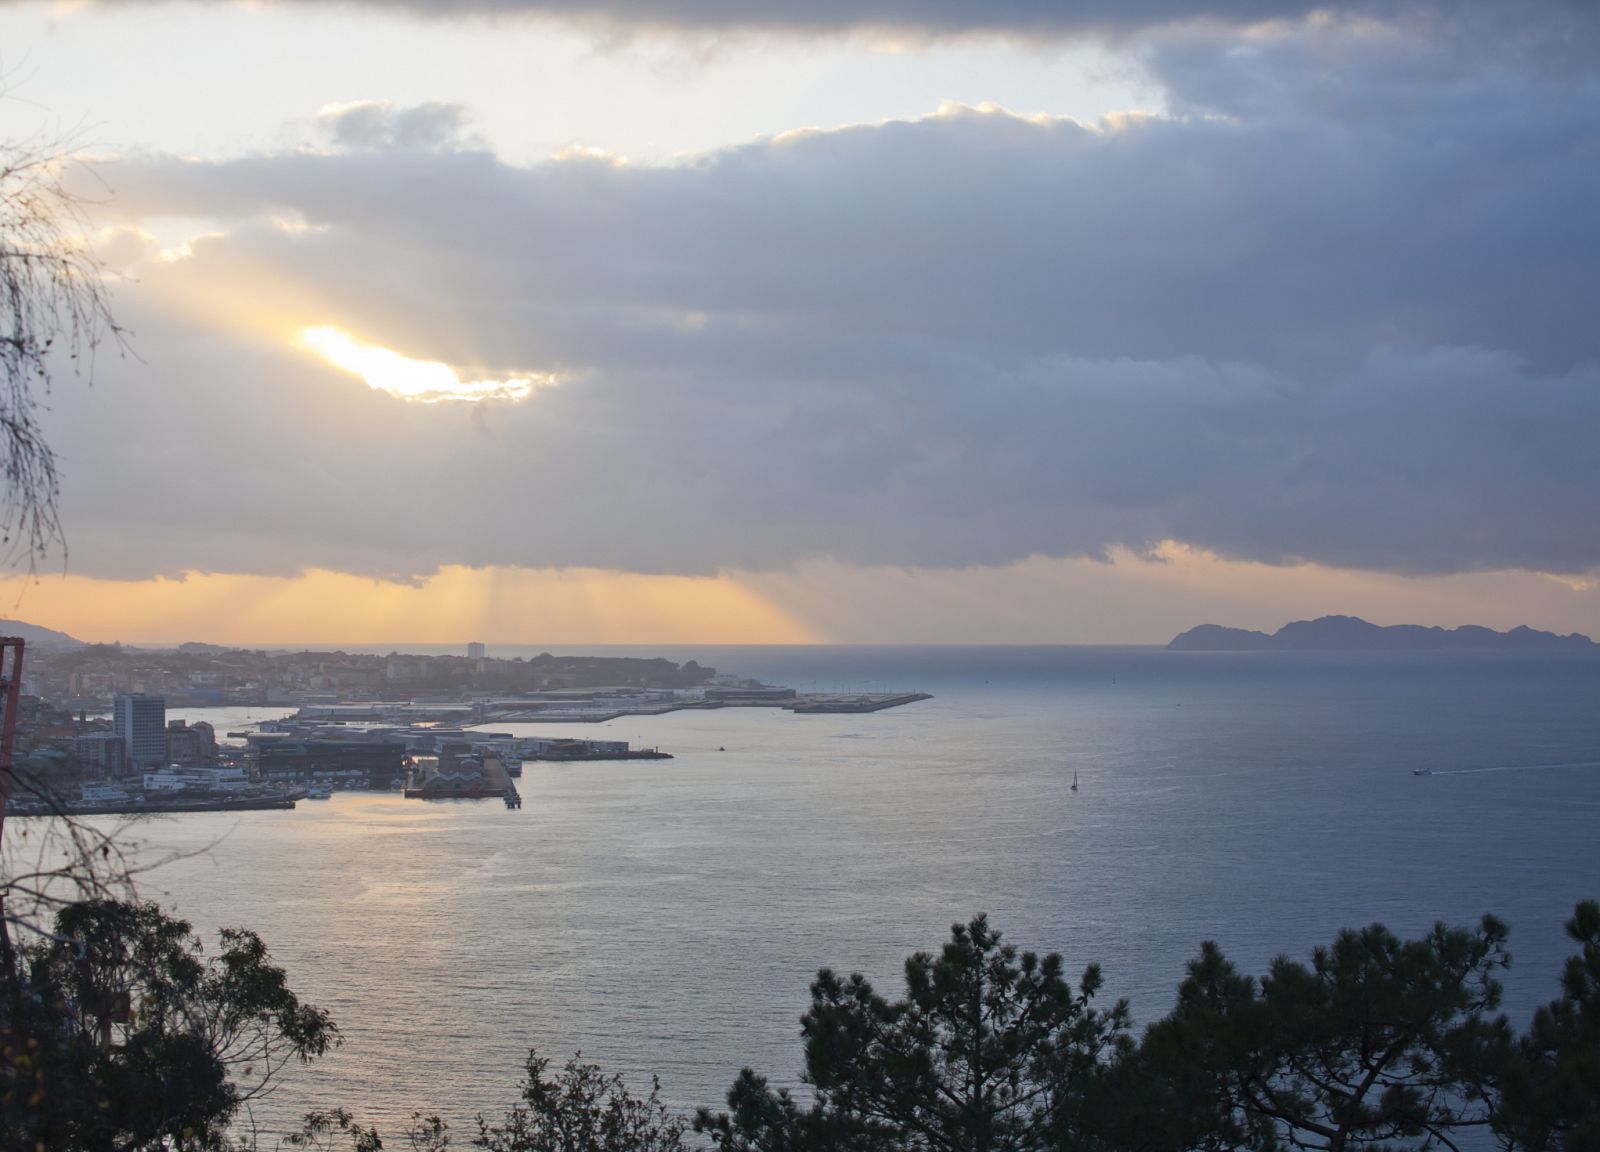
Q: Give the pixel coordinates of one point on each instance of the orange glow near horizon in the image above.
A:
(457, 604)
(1130, 599)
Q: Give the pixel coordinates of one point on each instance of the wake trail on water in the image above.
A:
(1516, 768)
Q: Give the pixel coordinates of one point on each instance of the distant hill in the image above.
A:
(40, 637)
(1352, 634)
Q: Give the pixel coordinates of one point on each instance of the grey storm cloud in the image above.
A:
(1315, 334)
(1570, 21)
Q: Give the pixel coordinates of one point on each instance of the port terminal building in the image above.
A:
(286, 759)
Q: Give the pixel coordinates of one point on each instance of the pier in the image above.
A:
(603, 708)
(855, 702)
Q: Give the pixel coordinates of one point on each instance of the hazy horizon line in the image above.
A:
(401, 646)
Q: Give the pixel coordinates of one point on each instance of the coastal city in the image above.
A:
(94, 735)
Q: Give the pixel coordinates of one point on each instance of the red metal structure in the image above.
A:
(10, 697)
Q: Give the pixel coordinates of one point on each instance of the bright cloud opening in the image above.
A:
(426, 381)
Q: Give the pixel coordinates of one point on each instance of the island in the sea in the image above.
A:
(1353, 634)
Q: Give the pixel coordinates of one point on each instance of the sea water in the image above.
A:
(666, 917)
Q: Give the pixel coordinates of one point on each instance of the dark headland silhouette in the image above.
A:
(1352, 634)
(39, 636)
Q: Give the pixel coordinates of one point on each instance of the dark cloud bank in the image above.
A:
(1554, 21)
(1346, 319)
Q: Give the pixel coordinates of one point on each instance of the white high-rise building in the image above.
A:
(475, 650)
(141, 721)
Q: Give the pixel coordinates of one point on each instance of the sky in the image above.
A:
(791, 321)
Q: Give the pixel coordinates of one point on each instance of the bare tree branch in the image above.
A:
(53, 305)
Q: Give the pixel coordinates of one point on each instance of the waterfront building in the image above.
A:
(283, 759)
(187, 743)
(93, 792)
(475, 650)
(141, 721)
(196, 778)
(101, 753)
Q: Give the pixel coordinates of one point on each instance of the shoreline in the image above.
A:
(168, 807)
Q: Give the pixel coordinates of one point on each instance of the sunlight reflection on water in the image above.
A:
(667, 917)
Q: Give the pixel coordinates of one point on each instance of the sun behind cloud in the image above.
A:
(426, 381)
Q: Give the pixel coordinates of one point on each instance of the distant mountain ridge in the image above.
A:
(42, 637)
(1353, 634)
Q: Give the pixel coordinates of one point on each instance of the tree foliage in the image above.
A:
(121, 1033)
(1378, 1043)
(1552, 1083)
(333, 1129)
(582, 1109)
(987, 1052)
(118, 1032)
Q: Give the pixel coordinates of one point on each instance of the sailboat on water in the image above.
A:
(1074, 779)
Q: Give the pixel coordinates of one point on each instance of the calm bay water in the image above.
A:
(667, 917)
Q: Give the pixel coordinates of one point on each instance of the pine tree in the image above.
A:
(1377, 1044)
(987, 1052)
(1552, 1080)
